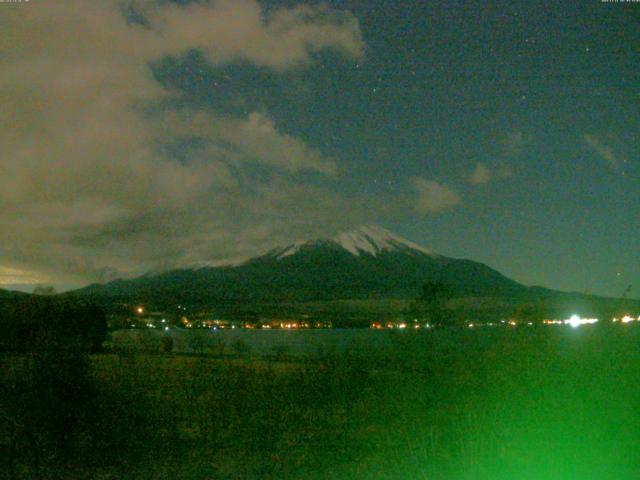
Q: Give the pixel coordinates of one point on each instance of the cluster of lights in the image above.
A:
(511, 323)
(626, 319)
(398, 325)
(575, 321)
(553, 322)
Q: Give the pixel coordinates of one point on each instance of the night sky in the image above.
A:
(145, 135)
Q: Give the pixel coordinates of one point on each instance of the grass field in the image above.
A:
(521, 403)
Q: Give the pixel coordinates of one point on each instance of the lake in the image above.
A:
(312, 341)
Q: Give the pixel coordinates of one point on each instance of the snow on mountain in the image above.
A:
(369, 239)
(373, 239)
(368, 262)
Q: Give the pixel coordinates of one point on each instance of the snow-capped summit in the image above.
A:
(368, 239)
(366, 263)
(373, 239)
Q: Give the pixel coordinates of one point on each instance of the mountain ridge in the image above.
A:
(368, 262)
(347, 280)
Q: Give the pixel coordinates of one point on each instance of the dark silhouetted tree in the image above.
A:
(431, 305)
(167, 344)
(533, 312)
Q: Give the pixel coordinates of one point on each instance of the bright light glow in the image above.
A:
(166, 329)
(140, 310)
(575, 321)
(627, 319)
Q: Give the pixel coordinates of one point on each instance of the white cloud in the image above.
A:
(251, 139)
(514, 141)
(83, 187)
(433, 197)
(604, 151)
(483, 174)
(226, 30)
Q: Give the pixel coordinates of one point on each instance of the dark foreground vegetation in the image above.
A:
(46, 323)
(538, 403)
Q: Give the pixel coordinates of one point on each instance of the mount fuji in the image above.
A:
(368, 239)
(366, 263)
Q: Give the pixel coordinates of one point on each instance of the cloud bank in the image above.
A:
(433, 197)
(604, 151)
(483, 174)
(87, 191)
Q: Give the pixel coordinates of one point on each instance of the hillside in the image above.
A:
(363, 273)
(369, 263)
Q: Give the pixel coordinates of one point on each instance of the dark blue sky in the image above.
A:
(545, 95)
(504, 132)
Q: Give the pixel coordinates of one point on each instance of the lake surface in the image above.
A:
(264, 342)
(311, 341)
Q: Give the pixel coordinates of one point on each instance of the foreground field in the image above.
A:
(540, 403)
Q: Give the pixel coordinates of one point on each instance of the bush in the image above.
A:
(241, 348)
(167, 344)
(197, 341)
(51, 405)
(34, 323)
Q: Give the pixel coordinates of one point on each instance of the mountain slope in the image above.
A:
(369, 262)
(11, 294)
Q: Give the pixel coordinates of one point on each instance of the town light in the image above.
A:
(575, 321)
